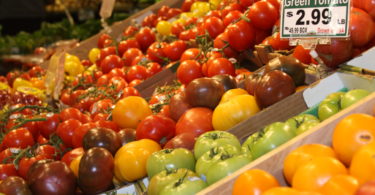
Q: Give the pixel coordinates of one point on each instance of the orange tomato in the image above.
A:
(363, 163)
(130, 111)
(340, 185)
(351, 133)
(309, 193)
(254, 182)
(38, 82)
(312, 175)
(281, 191)
(302, 155)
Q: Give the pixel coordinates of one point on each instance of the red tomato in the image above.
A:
(103, 105)
(118, 83)
(123, 46)
(172, 12)
(41, 140)
(263, 15)
(220, 66)
(163, 11)
(232, 17)
(70, 113)
(165, 111)
(25, 164)
(145, 38)
(153, 68)
(137, 72)
(32, 126)
(187, 35)
(130, 91)
(130, 31)
(302, 54)
(361, 27)
(156, 127)
(75, 96)
(369, 7)
(110, 62)
(36, 71)
(275, 3)
(130, 54)
(7, 170)
(191, 54)
(260, 35)
(247, 3)
(47, 151)
(186, 5)
(49, 126)
(241, 35)
(80, 132)
(7, 155)
(104, 40)
(277, 43)
(65, 97)
(149, 20)
(107, 124)
(71, 155)
(196, 120)
(155, 52)
(18, 138)
(231, 7)
(66, 129)
(337, 52)
(106, 52)
(103, 80)
(100, 116)
(120, 72)
(175, 49)
(177, 28)
(135, 82)
(214, 26)
(222, 42)
(183, 140)
(188, 71)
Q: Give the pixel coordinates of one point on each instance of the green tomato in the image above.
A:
(248, 144)
(297, 122)
(185, 185)
(275, 135)
(327, 110)
(160, 180)
(213, 156)
(225, 168)
(169, 159)
(306, 126)
(212, 139)
(333, 97)
(352, 97)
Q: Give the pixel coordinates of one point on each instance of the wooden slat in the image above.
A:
(272, 162)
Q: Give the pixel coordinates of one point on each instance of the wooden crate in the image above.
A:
(272, 162)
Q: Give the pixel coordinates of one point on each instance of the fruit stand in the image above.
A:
(198, 97)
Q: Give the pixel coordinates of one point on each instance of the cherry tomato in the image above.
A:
(153, 68)
(277, 43)
(25, 164)
(145, 38)
(222, 42)
(130, 91)
(107, 124)
(103, 105)
(135, 82)
(119, 83)
(137, 72)
(192, 54)
(120, 72)
(106, 52)
(175, 49)
(149, 20)
(123, 46)
(18, 138)
(49, 126)
(110, 62)
(214, 26)
(232, 17)
(80, 132)
(104, 40)
(189, 70)
(130, 54)
(241, 35)
(48, 151)
(70, 113)
(177, 28)
(187, 35)
(220, 66)
(66, 129)
(155, 52)
(7, 170)
(130, 31)
(263, 15)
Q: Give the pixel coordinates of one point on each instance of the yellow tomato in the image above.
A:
(74, 165)
(130, 111)
(19, 82)
(131, 159)
(232, 112)
(91, 69)
(303, 154)
(214, 4)
(164, 27)
(340, 185)
(73, 68)
(94, 55)
(72, 58)
(4, 86)
(180, 20)
(186, 15)
(232, 93)
(32, 91)
(363, 163)
(200, 9)
(38, 82)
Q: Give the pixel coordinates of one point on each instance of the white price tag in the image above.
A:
(315, 18)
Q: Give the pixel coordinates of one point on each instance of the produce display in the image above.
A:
(101, 134)
(345, 167)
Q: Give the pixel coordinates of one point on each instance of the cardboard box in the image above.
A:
(273, 161)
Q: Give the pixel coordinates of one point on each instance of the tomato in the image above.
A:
(340, 184)
(136, 154)
(123, 46)
(362, 165)
(175, 49)
(70, 113)
(351, 133)
(281, 191)
(8, 154)
(231, 7)
(232, 17)
(101, 106)
(153, 68)
(7, 170)
(106, 52)
(104, 40)
(149, 20)
(71, 155)
(361, 27)
(222, 42)
(303, 154)
(164, 27)
(25, 164)
(135, 82)
(74, 164)
(156, 127)
(177, 28)
(155, 52)
(48, 151)
(130, 55)
(275, 3)
(185, 7)
(263, 15)
(120, 72)
(18, 138)
(65, 130)
(254, 181)
(107, 124)
(110, 62)
(196, 120)
(79, 132)
(172, 12)
(129, 111)
(100, 116)
(191, 54)
(118, 83)
(137, 72)
(241, 35)
(302, 54)
(188, 70)
(214, 26)
(130, 91)
(369, 7)
(277, 43)
(145, 38)
(188, 35)
(312, 175)
(49, 126)
(129, 31)
(220, 66)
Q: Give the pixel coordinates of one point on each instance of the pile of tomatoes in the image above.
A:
(346, 167)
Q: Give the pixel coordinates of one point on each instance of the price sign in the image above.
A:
(315, 18)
